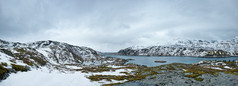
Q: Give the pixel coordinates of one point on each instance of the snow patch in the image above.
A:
(44, 78)
(114, 66)
(5, 58)
(227, 67)
(117, 72)
(73, 67)
(216, 68)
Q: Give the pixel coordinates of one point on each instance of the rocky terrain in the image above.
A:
(177, 79)
(196, 48)
(204, 73)
(46, 57)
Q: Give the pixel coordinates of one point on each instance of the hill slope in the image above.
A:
(15, 56)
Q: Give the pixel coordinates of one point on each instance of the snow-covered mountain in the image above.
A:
(15, 56)
(198, 48)
(50, 51)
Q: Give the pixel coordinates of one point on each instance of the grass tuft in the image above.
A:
(18, 67)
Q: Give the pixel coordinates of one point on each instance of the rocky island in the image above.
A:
(158, 61)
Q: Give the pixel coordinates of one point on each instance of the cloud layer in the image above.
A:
(110, 25)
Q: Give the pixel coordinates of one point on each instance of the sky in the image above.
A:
(111, 25)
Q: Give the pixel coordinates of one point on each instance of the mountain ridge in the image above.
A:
(63, 53)
(51, 55)
(196, 48)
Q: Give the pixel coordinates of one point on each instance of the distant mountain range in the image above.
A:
(196, 48)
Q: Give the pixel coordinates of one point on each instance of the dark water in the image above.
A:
(149, 60)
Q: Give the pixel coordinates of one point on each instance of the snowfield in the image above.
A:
(44, 77)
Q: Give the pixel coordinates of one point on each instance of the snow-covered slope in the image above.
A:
(15, 56)
(198, 48)
(55, 62)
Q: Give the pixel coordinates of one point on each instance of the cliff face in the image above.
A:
(198, 48)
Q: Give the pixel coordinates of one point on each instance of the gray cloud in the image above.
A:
(110, 25)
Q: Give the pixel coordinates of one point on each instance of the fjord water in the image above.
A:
(149, 60)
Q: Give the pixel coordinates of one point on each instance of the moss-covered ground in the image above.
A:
(141, 72)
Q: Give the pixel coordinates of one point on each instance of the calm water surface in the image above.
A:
(149, 60)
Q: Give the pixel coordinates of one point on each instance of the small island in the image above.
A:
(130, 59)
(160, 61)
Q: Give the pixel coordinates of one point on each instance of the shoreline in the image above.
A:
(171, 56)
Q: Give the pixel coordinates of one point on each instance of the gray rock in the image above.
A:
(178, 79)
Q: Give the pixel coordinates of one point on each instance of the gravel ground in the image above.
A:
(176, 78)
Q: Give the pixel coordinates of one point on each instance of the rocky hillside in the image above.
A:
(198, 48)
(15, 56)
(49, 52)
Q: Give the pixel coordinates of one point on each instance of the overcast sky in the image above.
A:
(110, 25)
